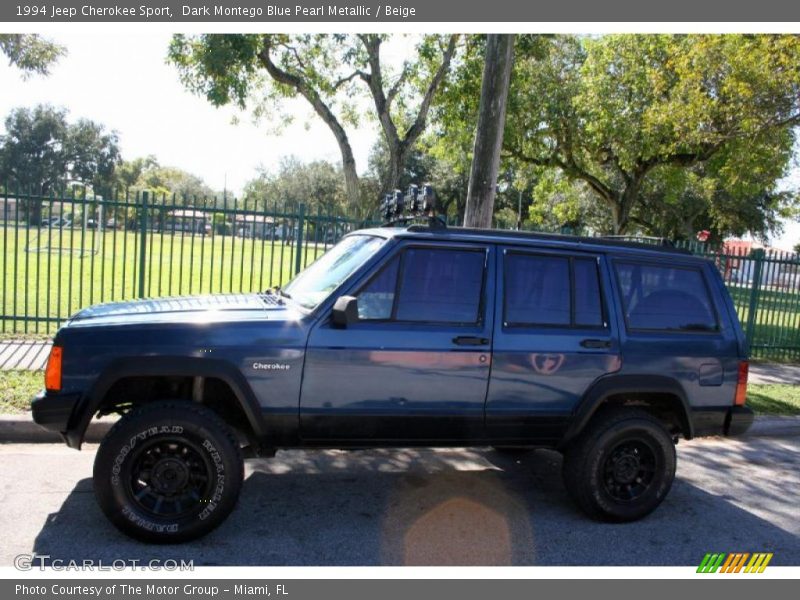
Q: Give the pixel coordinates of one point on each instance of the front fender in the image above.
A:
(154, 366)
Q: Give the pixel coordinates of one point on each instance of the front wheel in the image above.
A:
(622, 467)
(168, 472)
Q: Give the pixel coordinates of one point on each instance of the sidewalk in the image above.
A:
(23, 355)
(32, 356)
(774, 373)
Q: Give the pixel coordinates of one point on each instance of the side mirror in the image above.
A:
(345, 311)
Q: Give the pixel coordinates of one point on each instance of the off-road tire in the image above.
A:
(621, 467)
(168, 472)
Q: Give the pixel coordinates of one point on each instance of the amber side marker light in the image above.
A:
(52, 374)
(741, 384)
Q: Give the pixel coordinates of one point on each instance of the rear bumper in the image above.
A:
(730, 421)
(740, 418)
(54, 411)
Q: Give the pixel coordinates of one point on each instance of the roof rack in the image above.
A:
(419, 203)
(641, 239)
(552, 237)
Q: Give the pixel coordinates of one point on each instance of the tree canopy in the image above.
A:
(31, 53)
(42, 152)
(338, 75)
(646, 121)
(318, 184)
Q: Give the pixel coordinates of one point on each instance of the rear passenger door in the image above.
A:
(553, 337)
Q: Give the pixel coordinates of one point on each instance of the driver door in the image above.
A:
(415, 367)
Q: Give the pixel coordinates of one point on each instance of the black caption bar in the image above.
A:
(400, 589)
(463, 11)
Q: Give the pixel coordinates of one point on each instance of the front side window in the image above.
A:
(665, 298)
(552, 291)
(376, 300)
(435, 285)
(322, 277)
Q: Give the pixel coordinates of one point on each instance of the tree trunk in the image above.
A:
(626, 199)
(397, 159)
(399, 147)
(489, 133)
(325, 113)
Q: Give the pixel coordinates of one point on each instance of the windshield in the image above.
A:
(315, 283)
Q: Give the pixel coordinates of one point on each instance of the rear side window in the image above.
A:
(435, 285)
(554, 291)
(665, 298)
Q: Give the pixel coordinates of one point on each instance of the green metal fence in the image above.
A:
(60, 254)
(765, 288)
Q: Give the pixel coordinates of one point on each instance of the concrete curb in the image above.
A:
(21, 429)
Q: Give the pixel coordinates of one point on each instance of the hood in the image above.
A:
(187, 309)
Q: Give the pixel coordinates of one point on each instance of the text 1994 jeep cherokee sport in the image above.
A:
(407, 336)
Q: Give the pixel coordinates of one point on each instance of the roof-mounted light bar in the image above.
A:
(417, 203)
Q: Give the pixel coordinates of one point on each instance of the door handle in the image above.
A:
(596, 343)
(470, 340)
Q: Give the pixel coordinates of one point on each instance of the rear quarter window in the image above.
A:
(665, 298)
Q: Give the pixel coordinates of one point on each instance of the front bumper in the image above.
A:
(54, 411)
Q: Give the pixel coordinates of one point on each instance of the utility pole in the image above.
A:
(489, 132)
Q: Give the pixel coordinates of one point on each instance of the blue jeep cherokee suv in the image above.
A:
(407, 336)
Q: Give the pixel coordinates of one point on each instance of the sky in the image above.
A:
(123, 81)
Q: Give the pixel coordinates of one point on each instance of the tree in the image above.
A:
(325, 71)
(41, 153)
(400, 145)
(29, 52)
(129, 172)
(147, 174)
(317, 184)
(92, 155)
(489, 130)
(615, 111)
(33, 155)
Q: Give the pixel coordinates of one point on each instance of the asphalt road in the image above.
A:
(423, 507)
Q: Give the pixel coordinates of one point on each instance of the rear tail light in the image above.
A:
(741, 384)
(52, 374)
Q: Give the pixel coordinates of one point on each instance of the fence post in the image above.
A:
(142, 245)
(298, 254)
(758, 257)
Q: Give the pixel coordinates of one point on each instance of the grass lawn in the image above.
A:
(18, 387)
(53, 273)
(774, 399)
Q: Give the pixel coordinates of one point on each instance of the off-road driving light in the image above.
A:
(52, 374)
(417, 202)
(741, 383)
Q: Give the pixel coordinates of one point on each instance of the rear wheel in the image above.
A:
(622, 467)
(168, 472)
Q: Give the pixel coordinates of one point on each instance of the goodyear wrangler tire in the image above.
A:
(168, 472)
(622, 467)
